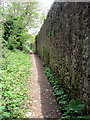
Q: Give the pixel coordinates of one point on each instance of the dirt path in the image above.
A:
(43, 101)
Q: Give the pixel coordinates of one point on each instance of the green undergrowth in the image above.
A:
(70, 108)
(14, 72)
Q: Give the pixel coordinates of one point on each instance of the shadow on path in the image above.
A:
(44, 104)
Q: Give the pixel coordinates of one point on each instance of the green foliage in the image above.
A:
(26, 48)
(17, 18)
(76, 106)
(71, 109)
(32, 38)
(13, 87)
(28, 11)
(15, 33)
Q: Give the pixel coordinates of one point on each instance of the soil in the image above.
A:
(44, 104)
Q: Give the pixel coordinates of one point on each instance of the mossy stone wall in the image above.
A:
(64, 44)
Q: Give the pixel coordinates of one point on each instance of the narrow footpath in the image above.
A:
(43, 101)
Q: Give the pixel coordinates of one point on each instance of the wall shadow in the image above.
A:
(49, 106)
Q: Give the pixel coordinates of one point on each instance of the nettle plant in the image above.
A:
(71, 109)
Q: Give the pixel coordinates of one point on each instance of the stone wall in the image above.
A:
(64, 44)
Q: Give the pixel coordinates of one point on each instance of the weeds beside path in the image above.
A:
(15, 69)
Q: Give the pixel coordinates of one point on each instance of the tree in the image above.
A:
(19, 16)
(15, 33)
(28, 11)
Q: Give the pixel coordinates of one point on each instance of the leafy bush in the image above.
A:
(14, 70)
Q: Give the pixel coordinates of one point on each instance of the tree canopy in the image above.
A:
(16, 18)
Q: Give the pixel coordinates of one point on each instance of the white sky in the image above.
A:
(45, 4)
